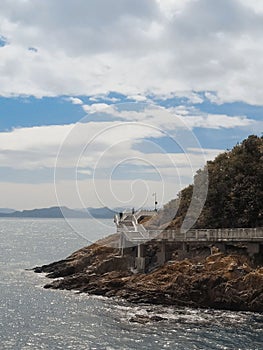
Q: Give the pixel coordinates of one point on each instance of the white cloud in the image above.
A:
(84, 172)
(194, 118)
(212, 97)
(75, 100)
(135, 48)
(98, 107)
(101, 145)
(217, 121)
(129, 147)
(255, 5)
(210, 153)
(104, 97)
(37, 147)
(138, 98)
(35, 138)
(172, 7)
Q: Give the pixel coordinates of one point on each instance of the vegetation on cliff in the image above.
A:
(235, 189)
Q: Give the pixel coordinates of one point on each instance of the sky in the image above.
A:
(103, 103)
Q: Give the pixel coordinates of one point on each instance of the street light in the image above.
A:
(155, 201)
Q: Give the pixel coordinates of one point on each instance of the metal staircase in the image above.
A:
(129, 227)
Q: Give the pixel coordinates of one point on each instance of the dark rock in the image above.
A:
(143, 319)
(221, 281)
(157, 318)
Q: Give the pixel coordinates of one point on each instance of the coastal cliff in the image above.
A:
(215, 280)
(200, 276)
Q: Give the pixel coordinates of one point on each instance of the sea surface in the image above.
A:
(34, 318)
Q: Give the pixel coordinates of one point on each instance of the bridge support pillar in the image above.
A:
(140, 251)
(161, 254)
(221, 246)
(140, 265)
(253, 248)
(140, 259)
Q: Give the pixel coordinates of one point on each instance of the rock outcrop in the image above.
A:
(221, 281)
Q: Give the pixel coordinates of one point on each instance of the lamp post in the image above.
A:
(155, 201)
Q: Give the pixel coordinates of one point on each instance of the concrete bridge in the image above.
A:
(135, 234)
(211, 235)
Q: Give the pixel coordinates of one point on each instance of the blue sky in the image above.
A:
(118, 104)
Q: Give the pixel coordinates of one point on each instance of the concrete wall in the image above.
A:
(156, 253)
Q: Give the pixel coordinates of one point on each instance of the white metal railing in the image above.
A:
(143, 231)
(135, 236)
(144, 213)
(128, 224)
(236, 234)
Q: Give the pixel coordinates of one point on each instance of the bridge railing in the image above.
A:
(143, 231)
(144, 213)
(237, 234)
(242, 234)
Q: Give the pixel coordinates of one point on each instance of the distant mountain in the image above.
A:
(6, 210)
(57, 212)
(53, 212)
(105, 212)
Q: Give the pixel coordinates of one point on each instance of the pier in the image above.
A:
(134, 234)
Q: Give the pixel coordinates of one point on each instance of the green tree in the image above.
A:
(235, 190)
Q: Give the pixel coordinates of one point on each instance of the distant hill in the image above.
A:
(6, 210)
(57, 212)
(105, 212)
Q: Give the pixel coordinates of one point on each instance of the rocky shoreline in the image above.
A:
(216, 280)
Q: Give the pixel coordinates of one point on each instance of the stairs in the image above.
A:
(133, 231)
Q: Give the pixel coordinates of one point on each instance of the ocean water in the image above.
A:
(34, 318)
